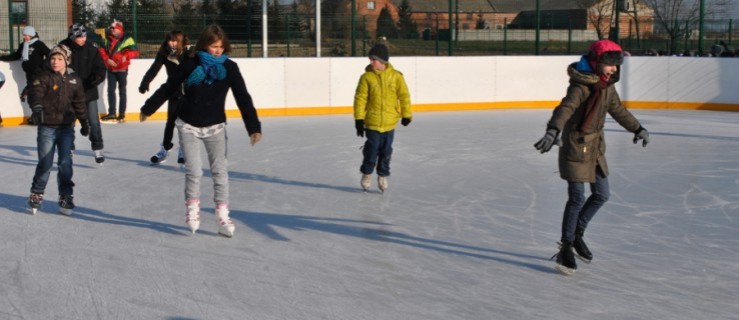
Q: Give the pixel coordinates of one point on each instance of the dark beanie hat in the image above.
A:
(379, 53)
(77, 30)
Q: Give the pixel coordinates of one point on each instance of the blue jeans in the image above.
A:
(377, 151)
(119, 78)
(96, 133)
(578, 211)
(47, 140)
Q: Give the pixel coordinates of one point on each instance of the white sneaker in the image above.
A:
(193, 214)
(366, 181)
(382, 183)
(160, 156)
(225, 225)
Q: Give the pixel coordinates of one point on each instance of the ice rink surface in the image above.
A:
(465, 231)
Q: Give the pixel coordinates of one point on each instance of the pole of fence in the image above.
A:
(10, 25)
(731, 26)
(248, 28)
(451, 27)
(135, 29)
(318, 28)
(287, 34)
(537, 24)
(265, 37)
(354, 28)
(437, 34)
(569, 36)
(505, 36)
(701, 25)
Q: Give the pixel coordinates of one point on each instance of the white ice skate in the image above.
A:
(366, 181)
(382, 183)
(193, 214)
(225, 225)
(99, 157)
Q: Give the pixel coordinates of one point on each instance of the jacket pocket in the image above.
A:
(581, 146)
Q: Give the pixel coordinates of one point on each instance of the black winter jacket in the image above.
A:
(205, 105)
(37, 54)
(61, 96)
(169, 64)
(88, 65)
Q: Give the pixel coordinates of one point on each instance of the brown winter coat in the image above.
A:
(581, 153)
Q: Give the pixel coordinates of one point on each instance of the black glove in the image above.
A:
(84, 128)
(549, 139)
(143, 88)
(641, 134)
(37, 115)
(405, 121)
(24, 94)
(359, 124)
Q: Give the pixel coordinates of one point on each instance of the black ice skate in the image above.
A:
(565, 259)
(581, 248)
(66, 204)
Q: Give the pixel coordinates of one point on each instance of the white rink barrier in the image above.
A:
(310, 86)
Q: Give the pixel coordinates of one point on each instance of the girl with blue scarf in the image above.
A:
(207, 77)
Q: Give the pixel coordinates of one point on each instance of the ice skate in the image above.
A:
(583, 253)
(366, 181)
(193, 214)
(565, 259)
(160, 157)
(99, 157)
(109, 118)
(121, 118)
(34, 202)
(180, 156)
(66, 204)
(225, 225)
(382, 183)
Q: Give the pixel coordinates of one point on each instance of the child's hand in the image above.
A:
(641, 134)
(255, 137)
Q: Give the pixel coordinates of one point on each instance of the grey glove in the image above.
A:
(641, 134)
(37, 115)
(545, 143)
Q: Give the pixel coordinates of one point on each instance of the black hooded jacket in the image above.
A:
(88, 65)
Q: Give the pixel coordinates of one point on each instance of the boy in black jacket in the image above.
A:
(57, 98)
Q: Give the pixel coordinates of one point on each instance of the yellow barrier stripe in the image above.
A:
(433, 107)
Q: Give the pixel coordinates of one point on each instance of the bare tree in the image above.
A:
(678, 18)
(599, 15)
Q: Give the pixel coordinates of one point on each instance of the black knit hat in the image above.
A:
(379, 53)
(77, 30)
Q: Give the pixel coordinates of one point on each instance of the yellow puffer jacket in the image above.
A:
(381, 99)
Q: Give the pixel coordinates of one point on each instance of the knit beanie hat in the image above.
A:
(379, 53)
(29, 31)
(77, 30)
(63, 51)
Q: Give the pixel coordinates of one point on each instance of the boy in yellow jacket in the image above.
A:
(381, 99)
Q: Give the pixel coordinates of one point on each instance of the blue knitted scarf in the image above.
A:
(209, 70)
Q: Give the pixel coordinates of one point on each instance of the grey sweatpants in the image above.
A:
(215, 148)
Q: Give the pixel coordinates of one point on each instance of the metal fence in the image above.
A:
(292, 34)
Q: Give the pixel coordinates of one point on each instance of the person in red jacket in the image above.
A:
(117, 51)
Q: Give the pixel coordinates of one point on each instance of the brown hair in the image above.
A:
(211, 34)
(182, 43)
